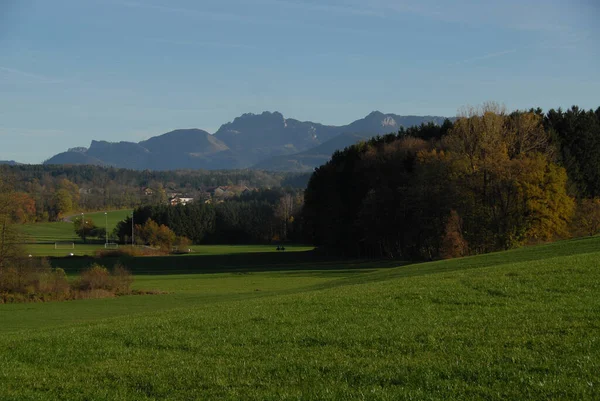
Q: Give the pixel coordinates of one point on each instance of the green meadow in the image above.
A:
(64, 231)
(522, 325)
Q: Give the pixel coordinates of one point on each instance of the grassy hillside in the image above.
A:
(523, 324)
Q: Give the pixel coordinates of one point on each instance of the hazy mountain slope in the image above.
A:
(121, 154)
(266, 140)
(188, 148)
(376, 123)
(193, 141)
(71, 157)
(257, 136)
(311, 158)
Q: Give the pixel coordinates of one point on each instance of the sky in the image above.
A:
(125, 70)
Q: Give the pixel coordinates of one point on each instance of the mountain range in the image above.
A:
(266, 141)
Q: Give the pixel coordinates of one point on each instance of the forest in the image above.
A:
(259, 217)
(492, 180)
(50, 192)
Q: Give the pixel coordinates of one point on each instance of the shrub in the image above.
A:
(122, 279)
(34, 280)
(30, 275)
(97, 277)
(129, 251)
(55, 282)
(183, 242)
(94, 277)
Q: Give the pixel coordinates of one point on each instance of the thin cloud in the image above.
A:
(33, 78)
(350, 10)
(31, 133)
(485, 57)
(571, 41)
(230, 17)
(194, 13)
(222, 45)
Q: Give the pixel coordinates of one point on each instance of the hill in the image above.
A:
(251, 139)
(179, 149)
(520, 324)
(9, 162)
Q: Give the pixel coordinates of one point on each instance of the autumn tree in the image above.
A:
(72, 189)
(156, 235)
(86, 228)
(453, 242)
(24, 210)
(509, 188)
(62, 203)
(10, 236)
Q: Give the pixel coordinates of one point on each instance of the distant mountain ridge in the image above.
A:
(266, 141)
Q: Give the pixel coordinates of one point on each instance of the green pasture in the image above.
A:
(64, 230)
(49, 232)
(63, 250)
(113, 217)
(517, 325)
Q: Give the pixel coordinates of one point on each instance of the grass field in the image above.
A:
(64, 231)
(522, 325)
(41, 238)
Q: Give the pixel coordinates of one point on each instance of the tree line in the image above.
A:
(49, 192)
(261, 216)
(491, 180)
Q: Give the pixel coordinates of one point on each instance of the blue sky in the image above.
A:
(76, 70)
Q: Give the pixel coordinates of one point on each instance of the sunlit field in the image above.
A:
(64, 230)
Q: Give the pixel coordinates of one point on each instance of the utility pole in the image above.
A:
(83, 226)
(132, 229)
(105, 228)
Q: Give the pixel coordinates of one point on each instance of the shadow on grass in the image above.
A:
(315, 261)
(241, 263)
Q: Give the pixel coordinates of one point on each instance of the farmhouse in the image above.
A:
(180, 201)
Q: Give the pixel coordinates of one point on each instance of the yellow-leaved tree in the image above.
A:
(509, 189)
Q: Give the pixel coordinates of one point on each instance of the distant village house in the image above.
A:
(180, 201)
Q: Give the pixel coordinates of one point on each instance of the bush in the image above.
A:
(32, 275)
(93, 278)
(34, 280)
(55, 282)
(129, 251)
(97, 277)
(122, 279)
(183, 242)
